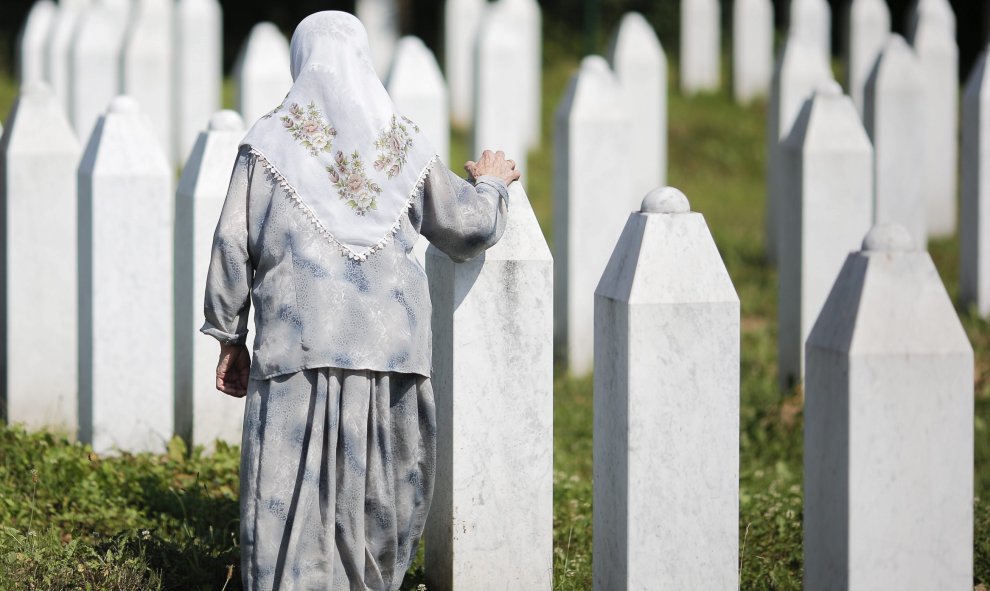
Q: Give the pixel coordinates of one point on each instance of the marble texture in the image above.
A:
(125, 285)
(974, 228)
(57, 47)
(752, 49)
(591, 198)
(868, 29)
(146, 65)
(640, 66)
(894, 118)
(198, 70)
(700, 46)
(95, 66)
(500, 105)
(461, 21)
(666, 407)
(381, 21)
(492, 512)
(202, 414)
(31, 42)
(825, 210)
(261, 72)
(812, 20)
(799, 70)
(419, 92)
(526, 15)
(888, 428)
(934, 42)
(39, 154)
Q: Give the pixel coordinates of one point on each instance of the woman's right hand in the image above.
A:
(493, 164)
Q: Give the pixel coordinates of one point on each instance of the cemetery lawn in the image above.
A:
(71, 519)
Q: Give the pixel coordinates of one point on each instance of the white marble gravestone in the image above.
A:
(938, 9)
(39, 154)
(500, 105)
(146, 71)
(894, 119)
(198, 70)
(591, 199)
(381, 21)
(974, 229)
(888, 428)
(525, 14)
(869, 27)
(95, 66)
(799, 70)
(812, 19)
(31, 42)
(419, 92)
(666, 425)
(125, 285)
(58, 45)
(261, 72)
(934, 42)
(825, 210)
(461, 21)
(640, 66)
(492, 512)
(700, 46)
(752, 49)
(202, 414)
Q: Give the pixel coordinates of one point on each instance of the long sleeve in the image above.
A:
(460, 219)
(228, 284)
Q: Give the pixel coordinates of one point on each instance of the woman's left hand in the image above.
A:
(233, 369)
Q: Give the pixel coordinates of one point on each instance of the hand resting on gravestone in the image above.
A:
(493, 164)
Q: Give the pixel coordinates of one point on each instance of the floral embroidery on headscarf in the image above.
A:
(353, 185)
(393, 145)
(309, 128)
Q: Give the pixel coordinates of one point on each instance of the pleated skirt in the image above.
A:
(337, 471)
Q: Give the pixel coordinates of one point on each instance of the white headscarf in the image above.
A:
(337, 144)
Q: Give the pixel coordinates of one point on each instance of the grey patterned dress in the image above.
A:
(338, 453)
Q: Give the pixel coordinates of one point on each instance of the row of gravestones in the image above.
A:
(164, 53)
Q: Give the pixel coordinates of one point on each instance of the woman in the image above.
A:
(329, 194)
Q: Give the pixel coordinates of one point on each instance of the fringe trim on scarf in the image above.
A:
(345, 250)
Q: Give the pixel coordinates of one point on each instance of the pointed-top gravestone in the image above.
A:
(146, 65)
(125, 285)
(262, 72)
(894, 119)
(381, 21)
(493, 379)
(812, 20)
(700, 42)
(934, 43)
(38, 159)
(31, 42)
(198, 70)
(752, 49)
(499, 102)
(666, 428)
(419, 92)
(96, 52)
(57, 48)
(461, 21)
(869, 27)
(888, 435)
(525, 14)
(825, 210)
(641, 69)
(799, 70)
(201, 415)
(590, 201)
(940, 10)
(974, 231)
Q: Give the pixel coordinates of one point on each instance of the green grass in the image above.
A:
(170, 521)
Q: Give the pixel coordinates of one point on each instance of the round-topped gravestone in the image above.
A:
(419, 92)
(261, 72)
(96, 53)
(31, 41)
(752, 49)
(869, 27)
(198, 69)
